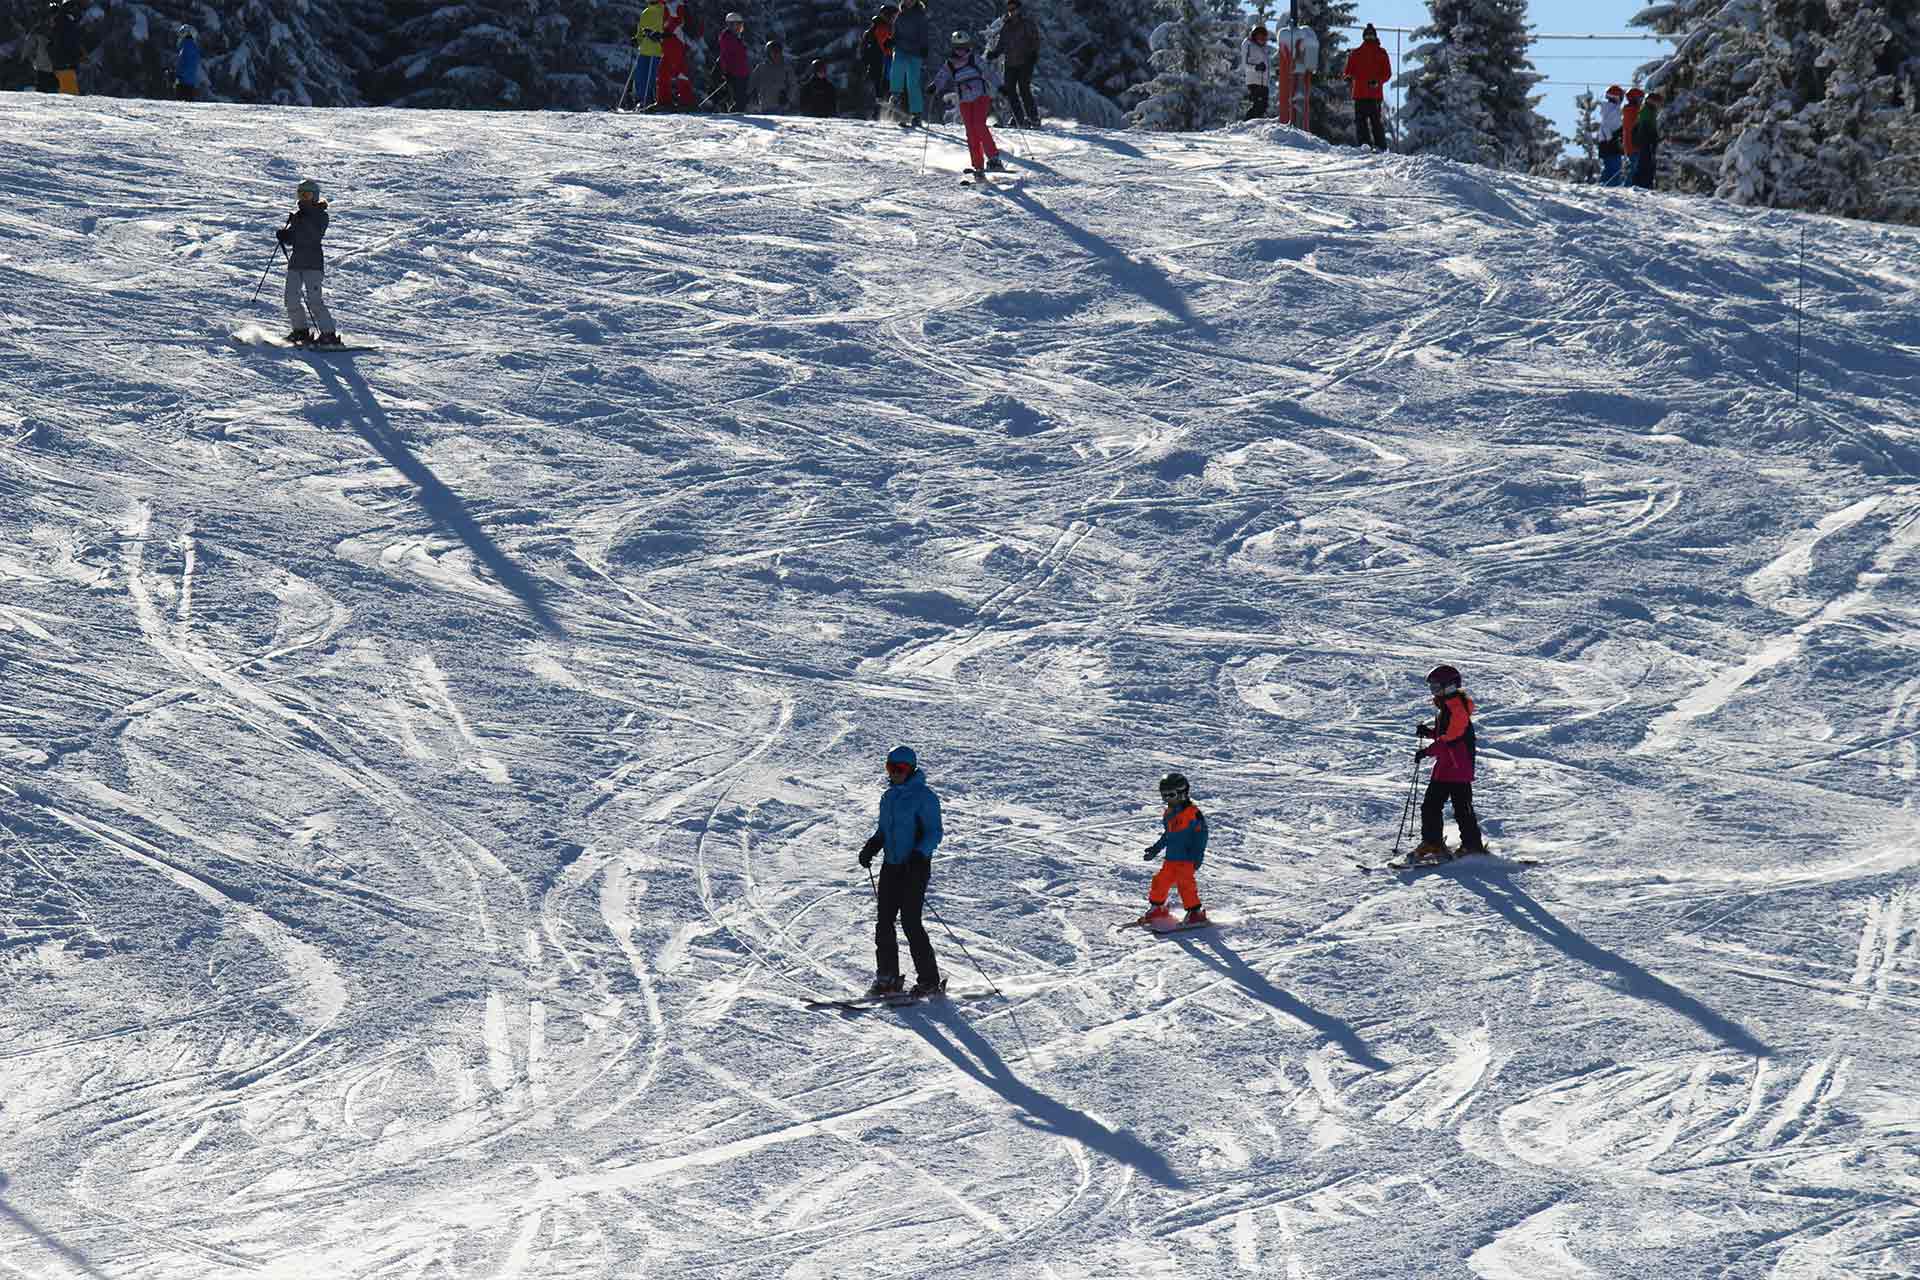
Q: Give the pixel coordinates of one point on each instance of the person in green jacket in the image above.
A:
(646, 38)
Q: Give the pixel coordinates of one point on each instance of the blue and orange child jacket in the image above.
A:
(1185, 837)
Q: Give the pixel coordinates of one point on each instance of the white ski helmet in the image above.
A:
(735, 17)
(961, 39)
(187, 33)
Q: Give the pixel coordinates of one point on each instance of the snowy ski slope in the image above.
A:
(431, 777)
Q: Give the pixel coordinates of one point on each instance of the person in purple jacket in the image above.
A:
(734, 63)
(1452, 781)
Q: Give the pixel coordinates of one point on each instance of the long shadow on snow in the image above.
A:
(983, 1062)
(362, 410)
(1148, 282)
(1210, 949)
(71, 1256)
(1527, 915)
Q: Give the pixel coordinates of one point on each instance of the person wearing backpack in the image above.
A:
(1646, 142)
(876, 52)
(1019, 43)
(912, 41)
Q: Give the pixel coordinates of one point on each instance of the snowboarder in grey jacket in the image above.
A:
(307, 268)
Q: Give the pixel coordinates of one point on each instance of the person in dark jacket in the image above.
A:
(1368, 70)
(186, 67)
(1646, 142)
(1019, 43)
(912, 41)
(876, 52)
(307, 268)
(40, 51)
(64, 45)
(1183, 845)
(818, 97)
(1452, 781)
(908, 833)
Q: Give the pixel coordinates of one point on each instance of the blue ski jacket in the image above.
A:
(1185, 837)
(909, 819)
(187, 70)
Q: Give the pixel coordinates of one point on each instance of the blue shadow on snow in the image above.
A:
(71, 1256)
(362, 410)
(1142, 279)
(1210, 949)
(1527, 915)
(983, 1062)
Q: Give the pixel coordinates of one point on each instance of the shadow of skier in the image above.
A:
(1140, 278)
(361, 410)
(1210, 949)
(983, 1062)
(71, 1256)
(1498, 891)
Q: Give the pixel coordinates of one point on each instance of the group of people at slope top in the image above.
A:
(910, 829)
(1367, 71)
(662, 76)
(893, 56)
(1629, 137)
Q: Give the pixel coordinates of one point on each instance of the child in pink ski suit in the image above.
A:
(975, 84)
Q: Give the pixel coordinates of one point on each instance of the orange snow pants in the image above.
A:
(1174, 875)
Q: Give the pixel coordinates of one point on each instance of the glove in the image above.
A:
(1419, 754)
(284, 235)
(1425, 731)
(870, 848)
(1153, 851)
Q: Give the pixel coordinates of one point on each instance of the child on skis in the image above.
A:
(1452, 780)
(1184, 844)
(307, 268)
(974, 83)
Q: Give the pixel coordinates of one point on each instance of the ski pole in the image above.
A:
(1406, 811)
(631, 73)
(278, 249)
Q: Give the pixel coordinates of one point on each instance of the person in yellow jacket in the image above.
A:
(646, 39)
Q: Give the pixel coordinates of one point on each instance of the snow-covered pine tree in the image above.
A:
(829, 29)
(1471, 95)
(1706, 71)
(291, 52)
(1197, 85)
(1849, 121)
(1767, 144)
(1586, 137)
(1331, 116)
(1105, 43)
(473, 54)
(585, 49)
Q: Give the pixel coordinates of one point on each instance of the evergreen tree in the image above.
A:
(1197, 85)
(1471, 96)
(1708, 70)
(1105, 43)
(1586, 136)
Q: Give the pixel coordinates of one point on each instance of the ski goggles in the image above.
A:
(899, 772)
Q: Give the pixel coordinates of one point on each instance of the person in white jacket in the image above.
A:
(1610, 141)
(1258, 64)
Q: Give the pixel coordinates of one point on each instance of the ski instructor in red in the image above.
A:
(908, 834)
(1368, 70)
(1183, 840)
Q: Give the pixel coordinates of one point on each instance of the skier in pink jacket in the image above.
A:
(734, 63)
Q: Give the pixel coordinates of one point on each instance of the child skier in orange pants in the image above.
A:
(1184, 842)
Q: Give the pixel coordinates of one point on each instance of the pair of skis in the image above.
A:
(888, 1000)
(1427, 864)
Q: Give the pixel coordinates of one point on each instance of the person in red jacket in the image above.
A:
(676, 80)
(1630, 116)
(1368, 70)
(1452, 780)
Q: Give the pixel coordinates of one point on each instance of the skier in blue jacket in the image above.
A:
(186, 71)
(908, 833)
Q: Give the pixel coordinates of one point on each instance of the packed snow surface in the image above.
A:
(431, 776)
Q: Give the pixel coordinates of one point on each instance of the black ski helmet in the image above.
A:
(1443, 679)
(1174, 789)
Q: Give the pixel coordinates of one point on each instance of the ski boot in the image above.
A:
(1430, 851)
(927, 987)
(328, 339)
(1195, 916)
(300, 335)
(887, 984)
(915, 123)
(1156, 916)
(994, 165)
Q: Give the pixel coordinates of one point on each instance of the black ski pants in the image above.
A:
(1019, 92)
(1434, 805)
(903, 892)
(1368, 124)
(1256, 102)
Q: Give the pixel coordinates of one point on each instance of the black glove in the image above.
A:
(871, 847)
(284, 235)
(1419, 754)
(1425, 731)
(1153, 851)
